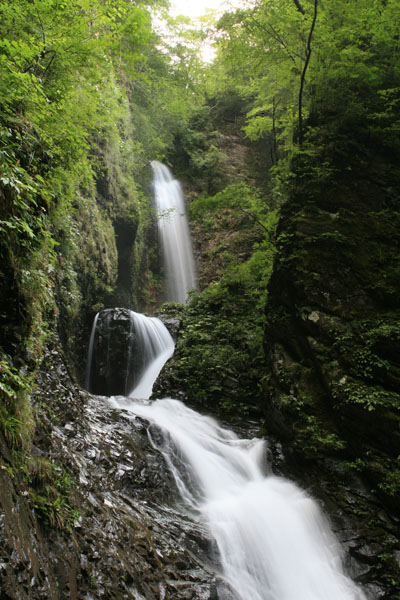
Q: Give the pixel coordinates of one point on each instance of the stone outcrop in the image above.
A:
(332, 337)
(116, 359)
(120, 534)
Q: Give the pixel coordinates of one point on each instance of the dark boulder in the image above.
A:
(116, 359)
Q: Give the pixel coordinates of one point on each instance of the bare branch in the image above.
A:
(269, 30)
(303, 74)
(299, 7)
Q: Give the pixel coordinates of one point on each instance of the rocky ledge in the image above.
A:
(121, 533)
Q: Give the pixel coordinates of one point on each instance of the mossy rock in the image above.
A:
(333, 312)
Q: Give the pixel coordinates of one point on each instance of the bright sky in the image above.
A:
(198, 8)
(194, 8)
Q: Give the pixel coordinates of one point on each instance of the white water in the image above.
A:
(156, 346)
(273, 541)
(90, 354)
(174, 234)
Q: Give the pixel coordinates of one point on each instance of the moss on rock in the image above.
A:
(332, 333)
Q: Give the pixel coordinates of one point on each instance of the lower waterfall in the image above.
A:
(272, 539)
(126, 353)
(157, 346)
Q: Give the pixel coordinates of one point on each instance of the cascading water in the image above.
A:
(157, 346)
(174, 234)
(88, 380)
(273, 541)
(126, 353)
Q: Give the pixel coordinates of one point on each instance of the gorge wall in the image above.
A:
(332, 332)
(332, 346)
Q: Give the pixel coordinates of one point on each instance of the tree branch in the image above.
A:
(270, 31)
(303, 74)
(253, 216)
(299, 7)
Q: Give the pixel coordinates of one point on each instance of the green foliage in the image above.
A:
(391, 482)
(197, 154)
(203, 140)
(269, 40)
(241, 198)
(50, 490)
(313, 429)
(16, 421)
(358, 464)
(219, 352)
(369, 397)
(352, 80)
(236, 229)
(11, 381)
(48, 486)
(316, 437)
(43, 54)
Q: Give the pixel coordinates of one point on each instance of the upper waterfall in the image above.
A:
(174, 234)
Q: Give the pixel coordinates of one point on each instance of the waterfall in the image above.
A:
(174, 234)
(273, 541)
(156, 346)
(126, 353)
(88, 382)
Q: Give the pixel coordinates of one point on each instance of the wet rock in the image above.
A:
(331, 336)
(129, 539)
(374, 592)
(173, 325)
(115, 357)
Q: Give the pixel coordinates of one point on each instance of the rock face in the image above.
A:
(116, 359)
(332, 337)
(126, 537)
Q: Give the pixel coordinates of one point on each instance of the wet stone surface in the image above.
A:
(130, 539)
(130, 520)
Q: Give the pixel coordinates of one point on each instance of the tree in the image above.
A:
(353, 73)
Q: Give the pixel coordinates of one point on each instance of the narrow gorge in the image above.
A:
(199, 316)
(263, 526)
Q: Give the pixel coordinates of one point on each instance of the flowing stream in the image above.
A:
(174, 234)
(272, 539)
